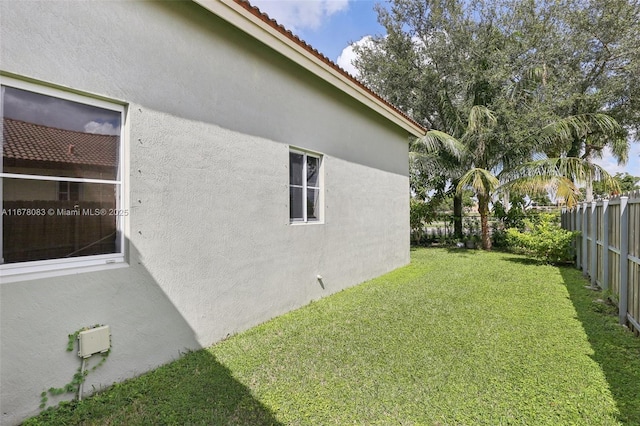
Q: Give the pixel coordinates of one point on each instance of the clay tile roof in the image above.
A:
(33, 142)
(273, 23)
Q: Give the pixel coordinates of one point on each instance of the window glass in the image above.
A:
(37, 226)
(313, 166)
(296, 163)
(295, 204)
(304, 187)
(60, 176)
(312, 204)
(68, 191)
(48, 136)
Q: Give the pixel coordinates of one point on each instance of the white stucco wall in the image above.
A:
(211, 115)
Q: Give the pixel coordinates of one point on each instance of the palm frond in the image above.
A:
(435, 141)
(576, 169)
(561, 175)
(481, 181)
(449, 115)
(525, 86)
(567, 191)
(429, 161)
(620, 149)
(562, 187)
(481, 119)
(580, 126)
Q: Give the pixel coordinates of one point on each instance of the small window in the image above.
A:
(61, 179)
(304, 187)
(68, 191)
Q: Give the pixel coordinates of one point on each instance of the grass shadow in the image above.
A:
(615, 348)
(195, 389)
(462, 251)
(523, 260)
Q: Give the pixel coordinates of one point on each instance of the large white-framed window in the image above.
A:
(61, 180)
(305, 186)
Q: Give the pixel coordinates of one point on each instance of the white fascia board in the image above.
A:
(252, 25)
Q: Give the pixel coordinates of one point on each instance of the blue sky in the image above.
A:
(331, 26)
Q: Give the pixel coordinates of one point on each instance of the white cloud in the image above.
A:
(611, 165)
(346, 58)
(297, 15)
(105, 128)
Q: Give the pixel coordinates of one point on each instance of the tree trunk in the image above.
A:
(506, 201)
(483, 209)
(589, 190)
(576, 147)
(457, 215)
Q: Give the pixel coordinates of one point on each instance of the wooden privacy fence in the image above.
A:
(608, 249)
(57, 229)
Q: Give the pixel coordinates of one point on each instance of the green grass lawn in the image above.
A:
(456, 338)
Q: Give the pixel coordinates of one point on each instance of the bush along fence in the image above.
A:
(440, 232)
(608, 250)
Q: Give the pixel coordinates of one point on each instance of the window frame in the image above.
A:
(68, 190)
(305, 187)
(36, 269)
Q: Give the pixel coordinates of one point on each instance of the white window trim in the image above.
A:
(320, 157)
(20, 271)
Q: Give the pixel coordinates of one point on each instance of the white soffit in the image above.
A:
(238, 16)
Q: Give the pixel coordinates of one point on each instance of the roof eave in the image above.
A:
(239, 16)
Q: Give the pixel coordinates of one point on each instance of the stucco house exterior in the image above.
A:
(179, 171)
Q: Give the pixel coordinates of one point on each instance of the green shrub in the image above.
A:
(544, 239)
(512, 218)
(498, 237)
(419, 214)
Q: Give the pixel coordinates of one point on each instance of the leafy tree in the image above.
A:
(589, 51)
(626, 182)
(435, 167)
(540, 199)
(436, 62)
(512, 217)
(549, 65)
(420, 212)
(446, 206)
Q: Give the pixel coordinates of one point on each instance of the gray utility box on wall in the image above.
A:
(93, 341)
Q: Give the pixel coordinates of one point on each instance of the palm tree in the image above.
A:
(594, 132)
(558, 174)
(442, 154)
(484, 184)
(467, 160)
(435, 170)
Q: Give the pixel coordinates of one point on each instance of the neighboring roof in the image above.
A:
(252, 21)
(32, 142)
